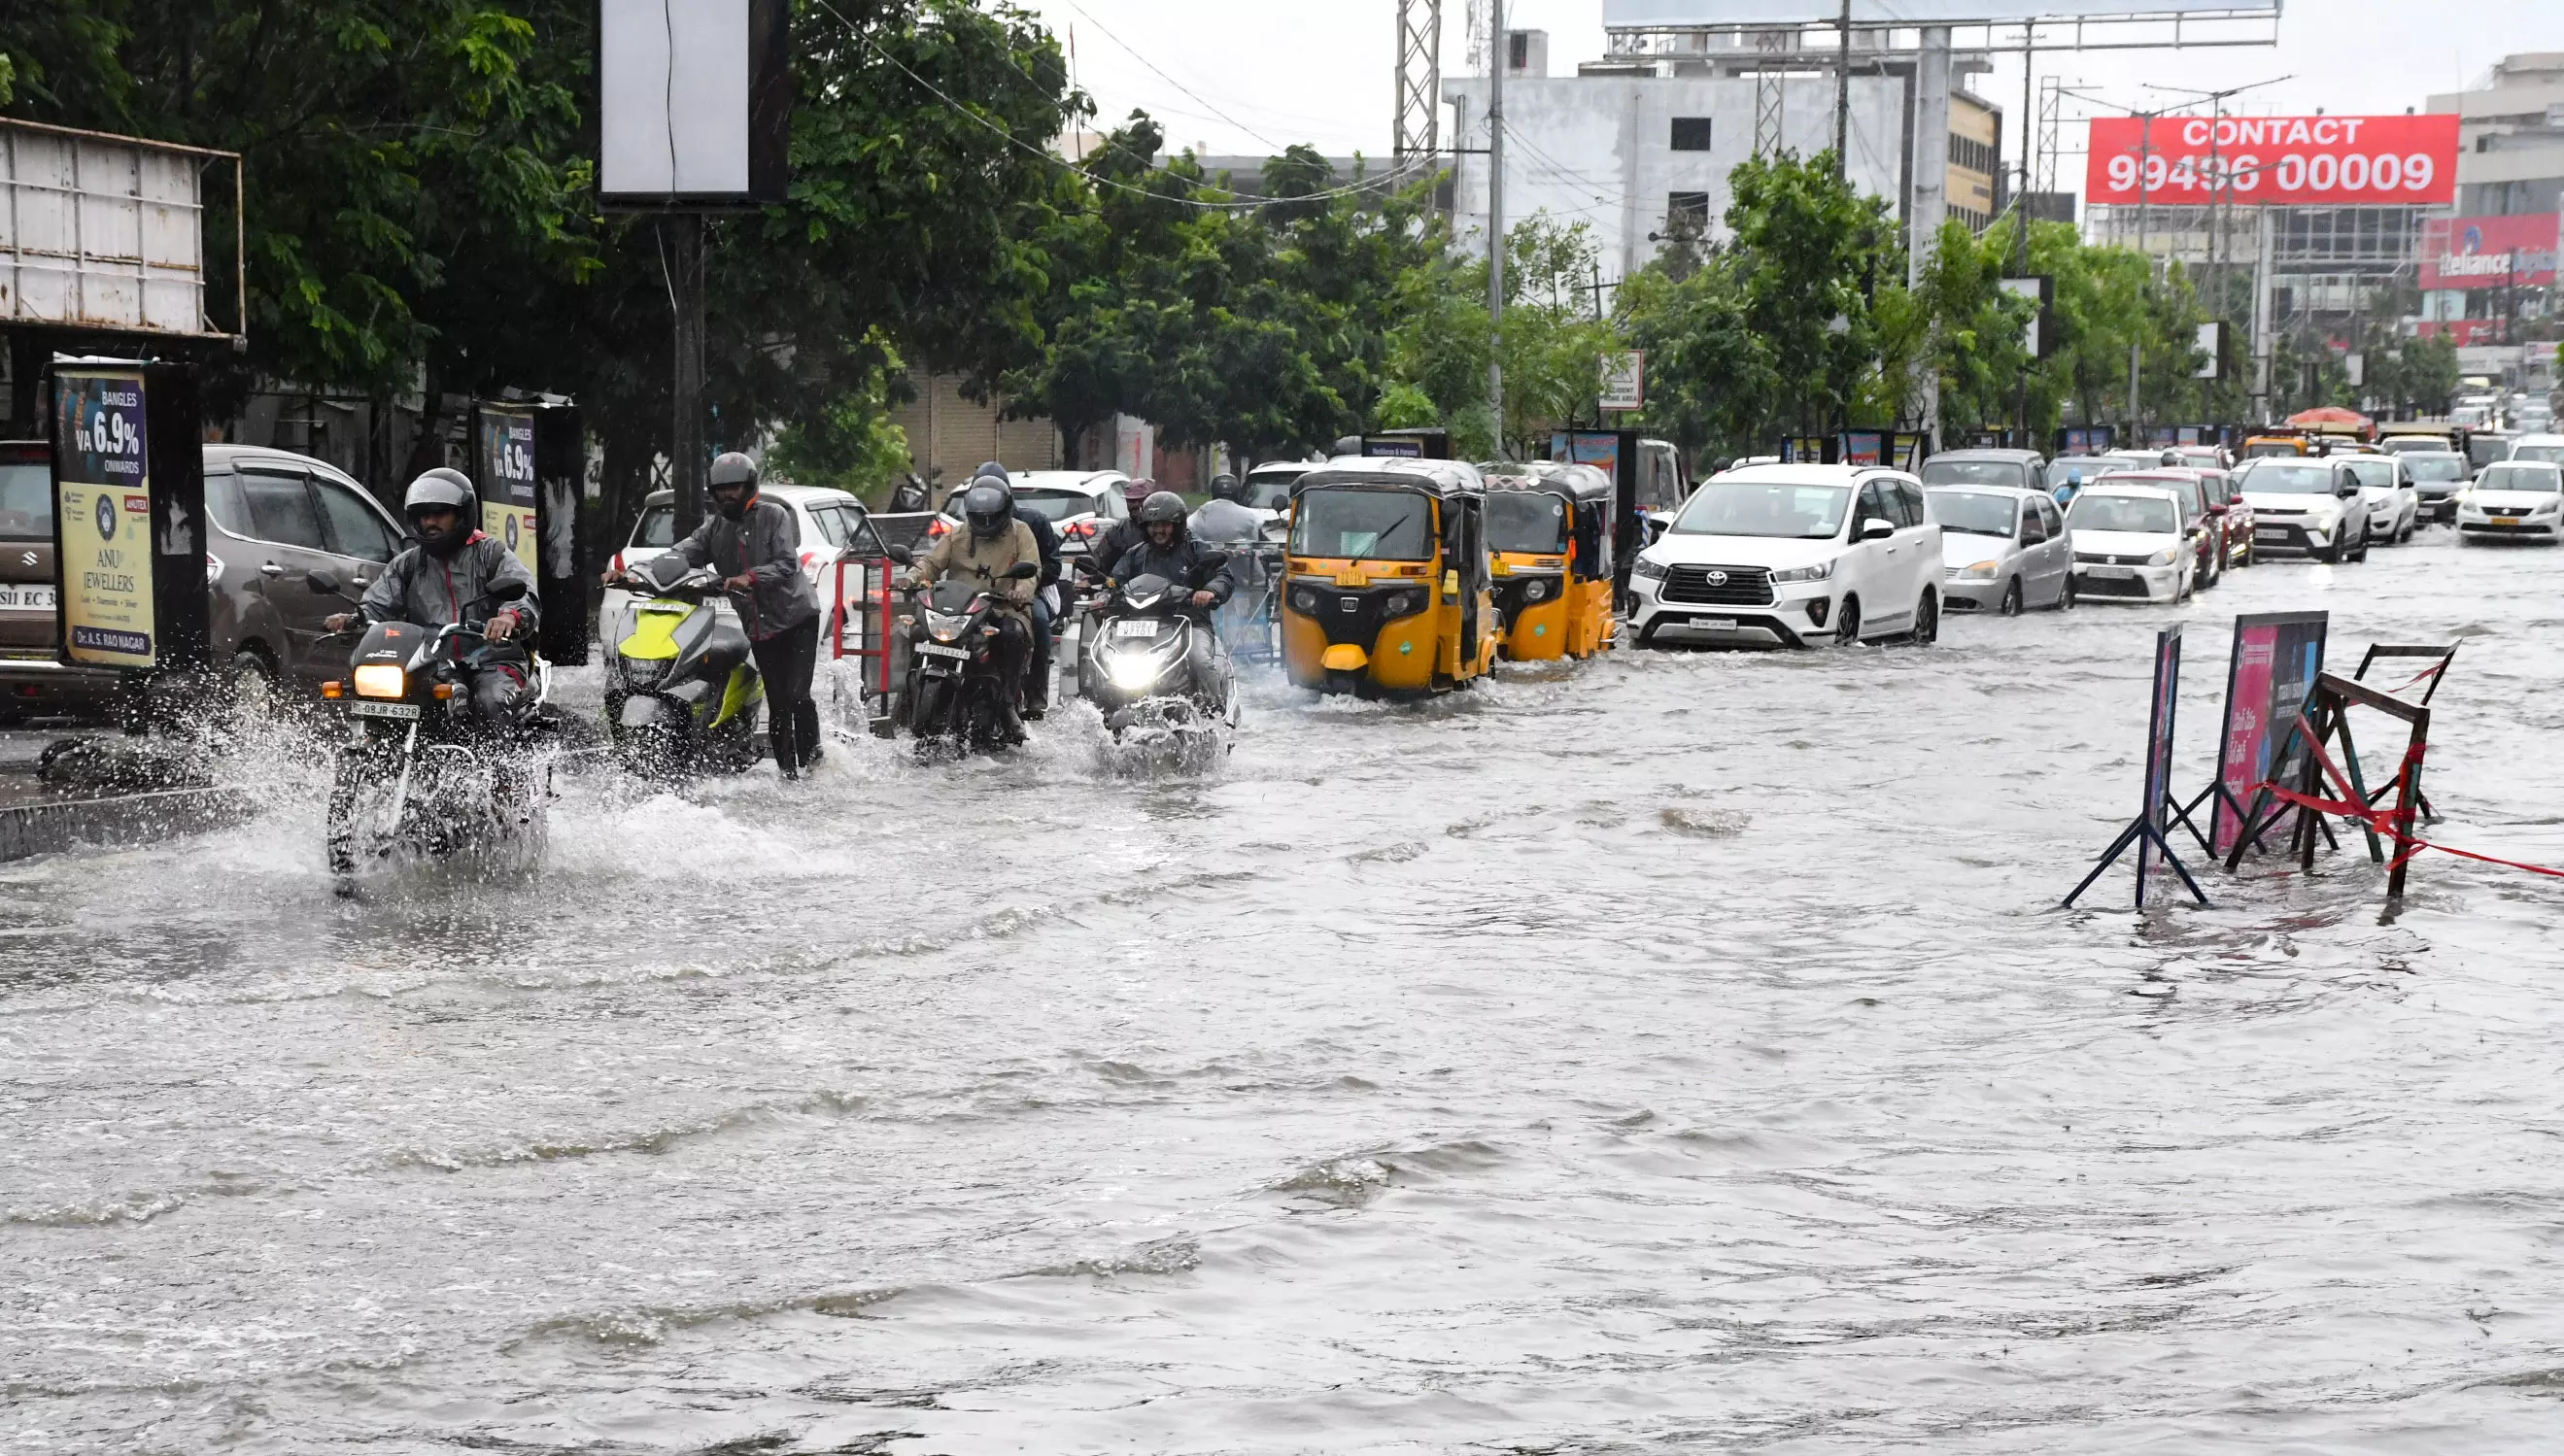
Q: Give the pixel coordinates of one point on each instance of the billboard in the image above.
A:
(2276, 161)
(694, 102)
(2277, 656)
(102, 232)
(128, 501)
(2490, 252)
(1685, 14)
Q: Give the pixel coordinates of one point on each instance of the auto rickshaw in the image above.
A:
(1389, 589)
(1549, 528)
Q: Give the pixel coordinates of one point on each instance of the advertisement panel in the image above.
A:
(2277, 657)
(2158, 723)
(102, 514)
(2284, 160)
(504, 450)
(2490, 252)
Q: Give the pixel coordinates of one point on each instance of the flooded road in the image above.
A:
(1683, 1052)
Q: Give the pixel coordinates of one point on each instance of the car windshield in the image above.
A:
(1058, 506)
(2520, 475)
(1975, 473)
(2272, 450)
(658, 528)
(1392, 525)
(2144, 514)
(2283, 478)
(2435, 467)
(27, 503)
(2185, 487)
(2412, 444)
(2488, 448)
(2542, 454)
(1526, 521)
(2375, 470)
(1979, 512)
(1765, 509)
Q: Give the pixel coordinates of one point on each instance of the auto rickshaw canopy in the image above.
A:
(1441, 479)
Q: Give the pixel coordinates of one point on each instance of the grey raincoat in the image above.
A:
(417, 587)
(765, 544)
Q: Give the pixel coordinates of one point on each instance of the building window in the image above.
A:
(1691, 133)
(1687, 214)
(1518, 50)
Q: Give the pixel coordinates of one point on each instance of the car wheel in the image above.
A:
(253, 680)
(2010, 598)
(1847, 626)
(1927, 620)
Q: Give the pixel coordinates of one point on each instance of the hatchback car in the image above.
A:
(2024, 470)
(2003, 548)
(2543, 449)
(2517, 498)
(2394, 509)
(2132, 541)
(1791, 555)
(34, 682)
(2305, 507)
(2201, 522)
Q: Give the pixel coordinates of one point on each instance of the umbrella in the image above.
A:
(2333, 414)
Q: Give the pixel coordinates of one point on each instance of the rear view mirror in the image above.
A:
(1876, 530)
(506, 591)
(1024, 572)
(901, 554)
(325, 583)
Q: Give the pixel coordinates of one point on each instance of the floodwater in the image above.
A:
(1683, 1052)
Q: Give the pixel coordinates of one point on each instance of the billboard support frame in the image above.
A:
(238, 335)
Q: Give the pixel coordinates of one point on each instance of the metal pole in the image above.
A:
(2261, 317)
(2021, 204)
(686, 461)
(1498, 53)
(2135, 355)
(1842, 97)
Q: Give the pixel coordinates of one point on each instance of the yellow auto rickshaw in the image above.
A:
(1387, 589)
(1549, 528)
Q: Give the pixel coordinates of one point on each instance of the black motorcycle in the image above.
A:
(1136, 664)
(418, 770)
(952, 694)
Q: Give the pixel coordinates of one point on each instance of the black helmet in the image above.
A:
(989, 470)
(440, 489)
(1163, 509)
(989, 508)
(1227, 486)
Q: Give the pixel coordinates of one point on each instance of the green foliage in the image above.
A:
(848, 442)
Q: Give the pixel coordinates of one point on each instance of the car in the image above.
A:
(2305, 507)
(2514, 498)
(1793, 555)
(2205, 525)
(1268, 485)
(2393, 508)
(830, 521)
(1080, 504)
(2132, 541)
(2437, 476)
(2024, 470)
(34, 681)
(2004, 549)
(2545, 448)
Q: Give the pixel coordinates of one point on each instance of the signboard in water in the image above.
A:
(2277, 657)
(2159, 726)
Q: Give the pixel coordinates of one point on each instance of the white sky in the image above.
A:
(1266, 73)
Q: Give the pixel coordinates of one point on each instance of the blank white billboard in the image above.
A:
(1684, 14)
(672, 98)
(100, 232)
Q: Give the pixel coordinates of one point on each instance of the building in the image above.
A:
(2510, 137)
(1638, 145)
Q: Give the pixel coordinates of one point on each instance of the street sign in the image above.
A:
(1624, 380)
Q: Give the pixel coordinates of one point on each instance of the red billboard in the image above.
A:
(2488, 252)
(2280, 160)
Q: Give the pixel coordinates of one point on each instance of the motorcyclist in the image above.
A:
(1046, 600)
(1166, 548)
(2071, 486)
(1226, 520)
(1124, 533)
(448, 578)
(990, 543)
(756, 545)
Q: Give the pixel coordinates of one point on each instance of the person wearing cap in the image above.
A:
(457, 574)
(756, 545)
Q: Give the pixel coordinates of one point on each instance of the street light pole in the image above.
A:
(1497, 54)
(1842, 97)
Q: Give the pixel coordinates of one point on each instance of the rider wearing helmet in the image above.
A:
(756, 545)
(1124, 533)
(990, 544)
(1046, 599)
(1227, 519)
(1166, 548)
(454, 574)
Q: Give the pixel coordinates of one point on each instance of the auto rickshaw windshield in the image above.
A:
(1359, 524)
(1526, 521)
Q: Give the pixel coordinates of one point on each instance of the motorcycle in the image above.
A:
(1136, 666)
(951, 694)
(681, 689)
(418, 770)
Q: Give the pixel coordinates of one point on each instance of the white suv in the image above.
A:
(2311, 506)
(1791, 555)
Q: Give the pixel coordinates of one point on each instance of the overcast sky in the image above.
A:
(1247, 77)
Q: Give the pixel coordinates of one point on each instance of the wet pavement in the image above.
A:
(1684, 1051)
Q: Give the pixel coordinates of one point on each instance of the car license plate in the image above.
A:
(1135, 628)
(26, 597)
(1715, 624)
(2506, 520)
(938, 649)
(2110, 573)
(2271, 533)
(402, 710)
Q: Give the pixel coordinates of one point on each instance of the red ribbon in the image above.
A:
(2382, 820)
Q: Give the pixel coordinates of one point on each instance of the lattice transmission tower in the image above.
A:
(1419, 83)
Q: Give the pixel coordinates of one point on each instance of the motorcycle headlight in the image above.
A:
(1820, 571)
(2164, 557)
(945, 628)
(381, 680)
(1132, 671)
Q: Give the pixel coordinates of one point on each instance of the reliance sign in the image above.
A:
(2293, 161)
(2490, 252)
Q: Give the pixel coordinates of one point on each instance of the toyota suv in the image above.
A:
(1791, 555)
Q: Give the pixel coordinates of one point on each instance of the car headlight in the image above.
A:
(2543, 506)
(381, 680)
(1820, 571)
(213, 569)
(2164, 557)
(945, 628)
(1654, 570)
(1977, 571)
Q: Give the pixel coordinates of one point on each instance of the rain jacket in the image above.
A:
(961, 553)
(765, 544)
(1176, 563)
(1227, 522)
(417, 587)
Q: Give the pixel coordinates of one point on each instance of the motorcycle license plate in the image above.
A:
(1139, 628)
(402, 710)
(25, 597)
(938, 649)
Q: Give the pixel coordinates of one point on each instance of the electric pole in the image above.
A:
(1842, 97)
(1499, 54)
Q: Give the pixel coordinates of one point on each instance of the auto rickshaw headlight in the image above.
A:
(1304, 601)
(1536, 591)
(1401, 604)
